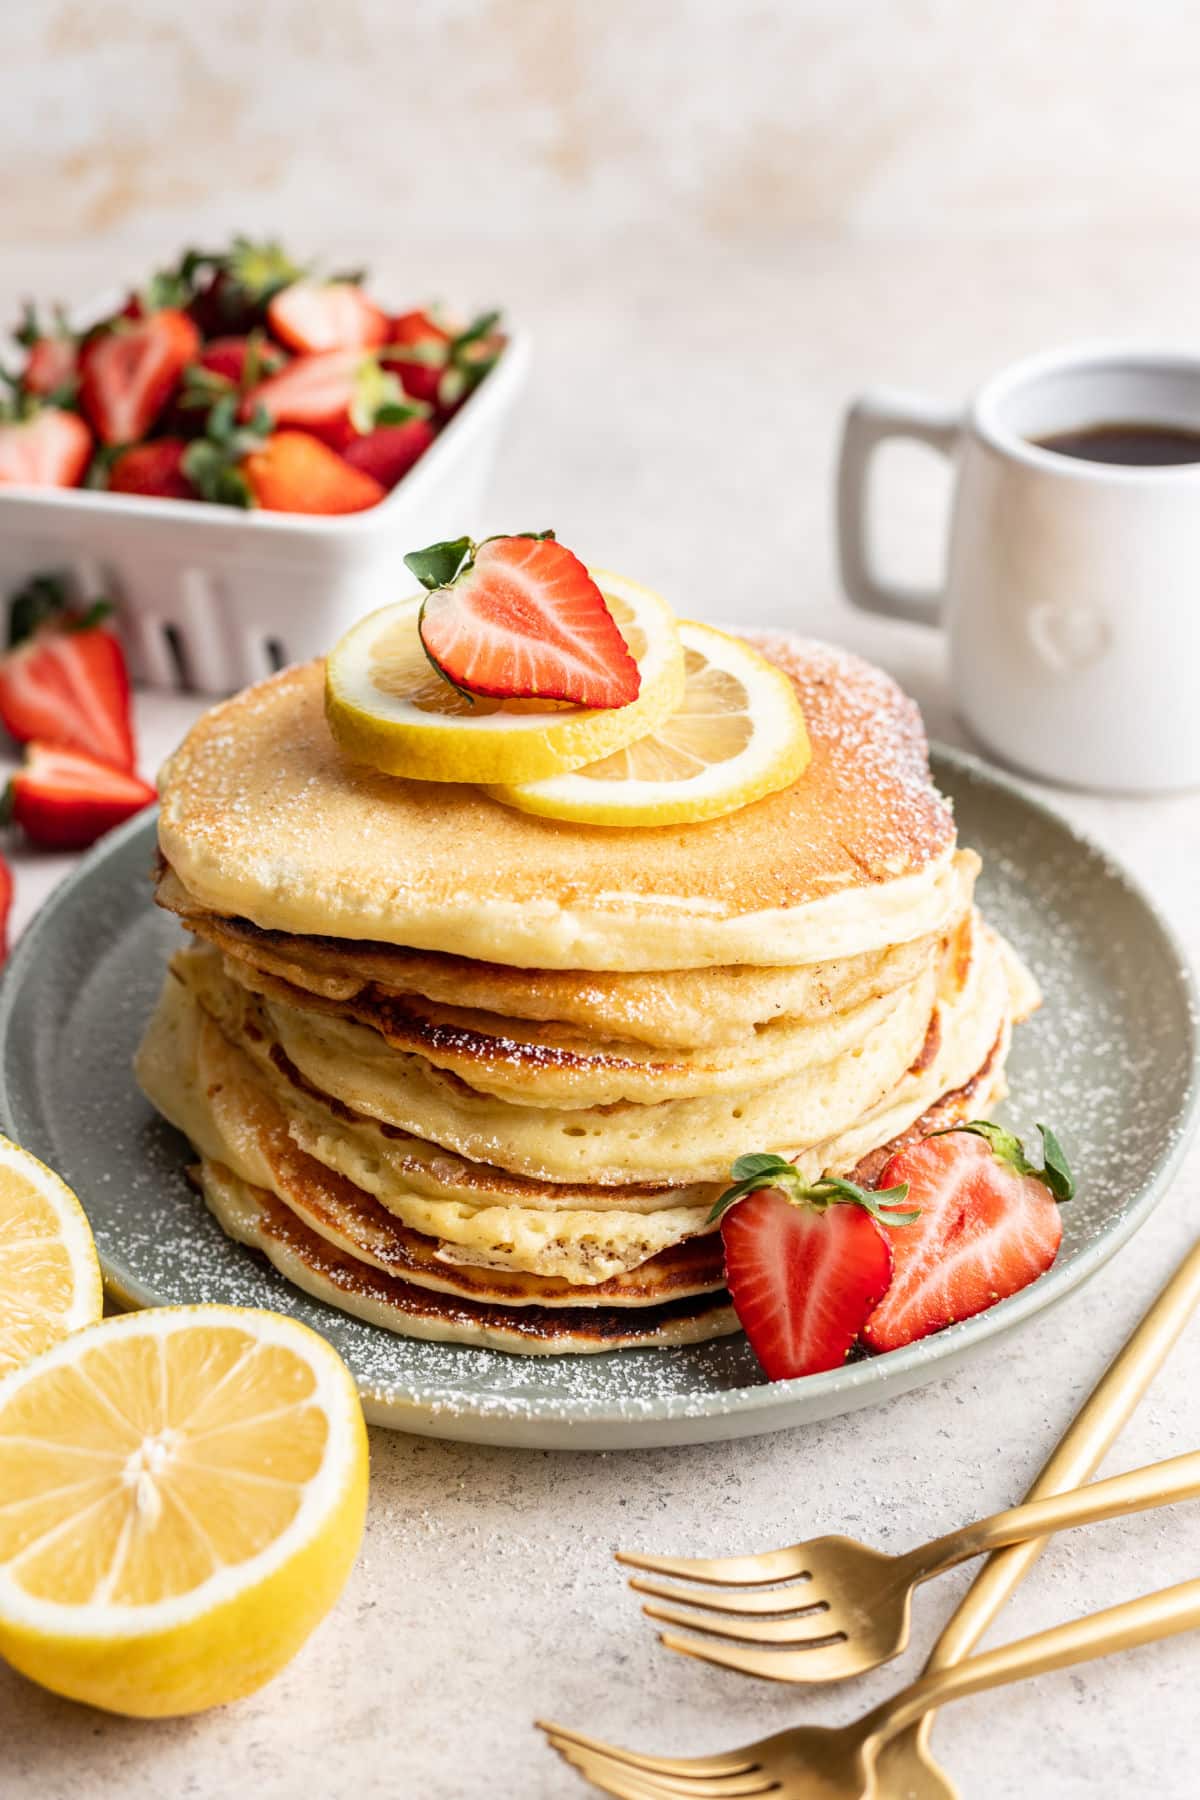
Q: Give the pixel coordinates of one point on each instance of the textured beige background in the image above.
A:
(497, 118)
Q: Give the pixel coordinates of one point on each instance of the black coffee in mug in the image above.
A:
(1129, 441)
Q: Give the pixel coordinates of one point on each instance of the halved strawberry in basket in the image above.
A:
(988, 1224)
(51, 356)
(806, 1263)
(43, 447)
(310, 316)
(130, 370)
(64, 800)
(336, 397)
(519, 618)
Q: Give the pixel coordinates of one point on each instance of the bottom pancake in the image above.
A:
(255, 1217)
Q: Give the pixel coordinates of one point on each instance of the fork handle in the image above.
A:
(1159, 1615)
(1159, 1484)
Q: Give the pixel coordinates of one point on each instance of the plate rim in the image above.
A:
(740, 1410)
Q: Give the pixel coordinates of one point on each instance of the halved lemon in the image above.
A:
(182, 1495)
(49, 1275)
(387, 706)
(738, 733)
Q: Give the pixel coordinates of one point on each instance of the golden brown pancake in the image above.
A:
(264, 819)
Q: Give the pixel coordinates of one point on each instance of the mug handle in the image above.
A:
(872, 419)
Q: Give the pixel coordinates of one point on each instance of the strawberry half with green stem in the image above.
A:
(520, 618)
(311, 316)
(336, 396)
(988, 1224)
(130, 370)
(63, 677)
(42, 446)
(65, 800)
(440, 361)
(806, 1263)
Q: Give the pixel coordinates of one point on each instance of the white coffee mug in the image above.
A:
(1072, 595)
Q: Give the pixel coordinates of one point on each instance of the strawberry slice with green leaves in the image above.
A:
(336, 396)
(988, 1223)
(64, 800)
(129, 371)
(520, 618)
(63, 677)
(440, 361)
(311, 316)
(806, 1263)
(42, 446)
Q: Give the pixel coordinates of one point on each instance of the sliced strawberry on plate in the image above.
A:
(63, 678)
(311, 316)
(519, 618)
(805, 1263)
(988, 1224)
(337, 396)
(130, 370)
(390, 451)
(44, 447)
(65, 800)
(293, 472)
(154, 469)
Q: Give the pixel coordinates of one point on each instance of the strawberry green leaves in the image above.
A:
(763, 1169)
(1055, 1172)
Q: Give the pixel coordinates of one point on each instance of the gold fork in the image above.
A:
(847, 1608)
(813, 1762)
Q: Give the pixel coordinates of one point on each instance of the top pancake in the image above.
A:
(264, 818)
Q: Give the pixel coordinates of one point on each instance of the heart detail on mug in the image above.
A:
(1068, 637)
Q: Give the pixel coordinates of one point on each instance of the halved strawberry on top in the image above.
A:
(63, 677)
(51, 355)
(129, 371)
(311, 316)
(43, 446)
(988, 1224)
(520, 618)
(337, 396)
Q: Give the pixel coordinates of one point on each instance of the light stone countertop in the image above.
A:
(681, 425)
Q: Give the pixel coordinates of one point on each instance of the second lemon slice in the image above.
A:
(387, 706)
(49, 1275)
(738, 733)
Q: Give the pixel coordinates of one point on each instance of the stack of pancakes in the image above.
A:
(479, 1076)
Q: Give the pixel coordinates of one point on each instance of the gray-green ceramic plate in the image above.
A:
(1112, 1056)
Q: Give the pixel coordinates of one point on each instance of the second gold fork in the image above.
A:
(847, 1608)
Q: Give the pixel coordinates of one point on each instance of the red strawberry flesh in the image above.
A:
(65, 801)
(312, 316)
(803, 1281)
(71, 689)
(129, 373)
(51, 449)
(984, 1233)
(526, 621)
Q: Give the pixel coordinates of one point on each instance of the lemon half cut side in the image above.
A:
(49, 1274)
(737, 734)
(182, 1496)
(388, 707)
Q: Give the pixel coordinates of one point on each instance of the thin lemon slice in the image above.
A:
(387, 706)
(49, 1276)
(182, 1494)
(738, 733)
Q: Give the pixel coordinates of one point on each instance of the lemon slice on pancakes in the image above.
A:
(49, 1275)
(738, 733)
(388, 706)
(182, 1495)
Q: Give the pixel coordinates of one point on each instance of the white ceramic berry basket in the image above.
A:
(211, 598)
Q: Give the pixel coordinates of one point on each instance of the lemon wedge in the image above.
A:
(387, 706)
(738, 733)
(49, 1275)
(182, 1494)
